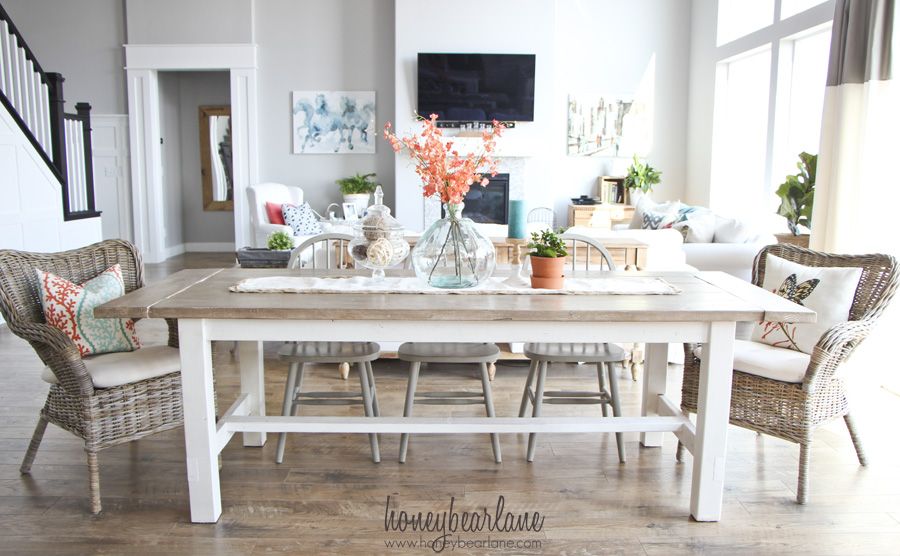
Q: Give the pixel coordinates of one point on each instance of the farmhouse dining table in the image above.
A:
(706, 310)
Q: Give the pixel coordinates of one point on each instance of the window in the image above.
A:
(801, 93)
(742, 17)
(793, 7)
(740, 128)
(769, 93)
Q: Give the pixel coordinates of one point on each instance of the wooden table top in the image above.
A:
(203, 293)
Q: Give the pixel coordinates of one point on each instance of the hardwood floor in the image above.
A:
(329, 498)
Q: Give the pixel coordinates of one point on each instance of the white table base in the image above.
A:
(205, 438)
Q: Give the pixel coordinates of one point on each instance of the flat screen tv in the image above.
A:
(476, 87)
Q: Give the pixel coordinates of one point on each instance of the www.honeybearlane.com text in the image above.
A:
(451, 520)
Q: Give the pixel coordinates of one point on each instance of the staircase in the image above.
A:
(34, 99)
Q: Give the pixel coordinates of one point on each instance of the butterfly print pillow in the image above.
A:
(828, 291)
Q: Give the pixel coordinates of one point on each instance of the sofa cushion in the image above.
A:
(115, 369)
(70, 308)
(829, 291)
(646, 206)
(301, 219)
(697, 227)
(785, 365)
(274, 211)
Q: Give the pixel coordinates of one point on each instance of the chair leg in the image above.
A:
(367, 404)
(536, 411)
(94, 472)
(344, 369)
(33, 446)
(287, 407)
(857, 441)
(525, 400)
(601, 378)
(374, 391)
(489, 408)
(617, 409)
(679, 452)
(408, 406)
(803, 479)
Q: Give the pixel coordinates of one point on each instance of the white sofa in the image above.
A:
(259, 195)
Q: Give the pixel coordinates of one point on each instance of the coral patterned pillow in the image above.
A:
(828, 291)
(70, 307)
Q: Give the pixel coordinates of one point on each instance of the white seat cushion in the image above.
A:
(785, 365)
(115, 369)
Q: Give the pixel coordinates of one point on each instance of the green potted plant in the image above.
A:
(548, 258)
(640, 179)
(279, 241)
(357, 189)
(796, 194)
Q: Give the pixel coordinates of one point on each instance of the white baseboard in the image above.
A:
(224, 247)
(198, 247)
(173, 251)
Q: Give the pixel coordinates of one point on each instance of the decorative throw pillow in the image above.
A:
(730, 230)
(653, 220)
(301, 219)
(70, 307)
(646, 205)
(828, 291)
(697, 227)
(273, 210)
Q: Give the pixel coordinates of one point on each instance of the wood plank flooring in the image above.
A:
(329, 498)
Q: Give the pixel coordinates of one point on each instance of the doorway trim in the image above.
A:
(143, 64)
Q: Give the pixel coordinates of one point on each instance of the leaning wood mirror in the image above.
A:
(215, 157)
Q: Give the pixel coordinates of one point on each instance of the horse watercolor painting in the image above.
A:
(333, 122)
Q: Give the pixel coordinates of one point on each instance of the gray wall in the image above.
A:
(81, 40)
(197, 89)
(191, 21)
(314, 45)
(170, 129)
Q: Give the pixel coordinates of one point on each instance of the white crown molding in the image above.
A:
(189, 56)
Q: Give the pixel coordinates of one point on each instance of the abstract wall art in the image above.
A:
(604, 125)
(333, 122)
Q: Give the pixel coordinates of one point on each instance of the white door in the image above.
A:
(112, 176)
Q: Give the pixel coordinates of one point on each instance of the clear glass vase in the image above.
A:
(452, 253)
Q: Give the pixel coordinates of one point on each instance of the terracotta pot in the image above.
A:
(548, 273)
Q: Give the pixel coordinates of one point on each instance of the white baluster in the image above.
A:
(78, 127)
(14, 97)
(30, 115)
(45, 120)
(22, 80)
(4, 58)
(70, 168)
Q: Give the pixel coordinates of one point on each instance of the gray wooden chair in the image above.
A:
(542, 215)
(417, 353)
(603, 355)
(300, 354)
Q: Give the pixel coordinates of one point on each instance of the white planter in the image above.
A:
(361, 200)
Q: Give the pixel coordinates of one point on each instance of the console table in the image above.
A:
(602, 216)
(706, 311)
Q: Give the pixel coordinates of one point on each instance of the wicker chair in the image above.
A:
(793, 411)
(103, 417)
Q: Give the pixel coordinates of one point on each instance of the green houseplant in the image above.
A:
(279, 241)
(357, 189)
(548, 258)
(640, 177)
(797, 193)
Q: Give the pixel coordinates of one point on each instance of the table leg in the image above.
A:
(199, 421)
(655, 369)
(250, 356)
(713, 408)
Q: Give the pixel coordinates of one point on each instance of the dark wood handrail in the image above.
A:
(29, 55)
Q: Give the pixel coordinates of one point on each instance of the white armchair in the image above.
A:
(263, 193)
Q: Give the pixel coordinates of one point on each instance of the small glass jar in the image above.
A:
(378, 241)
